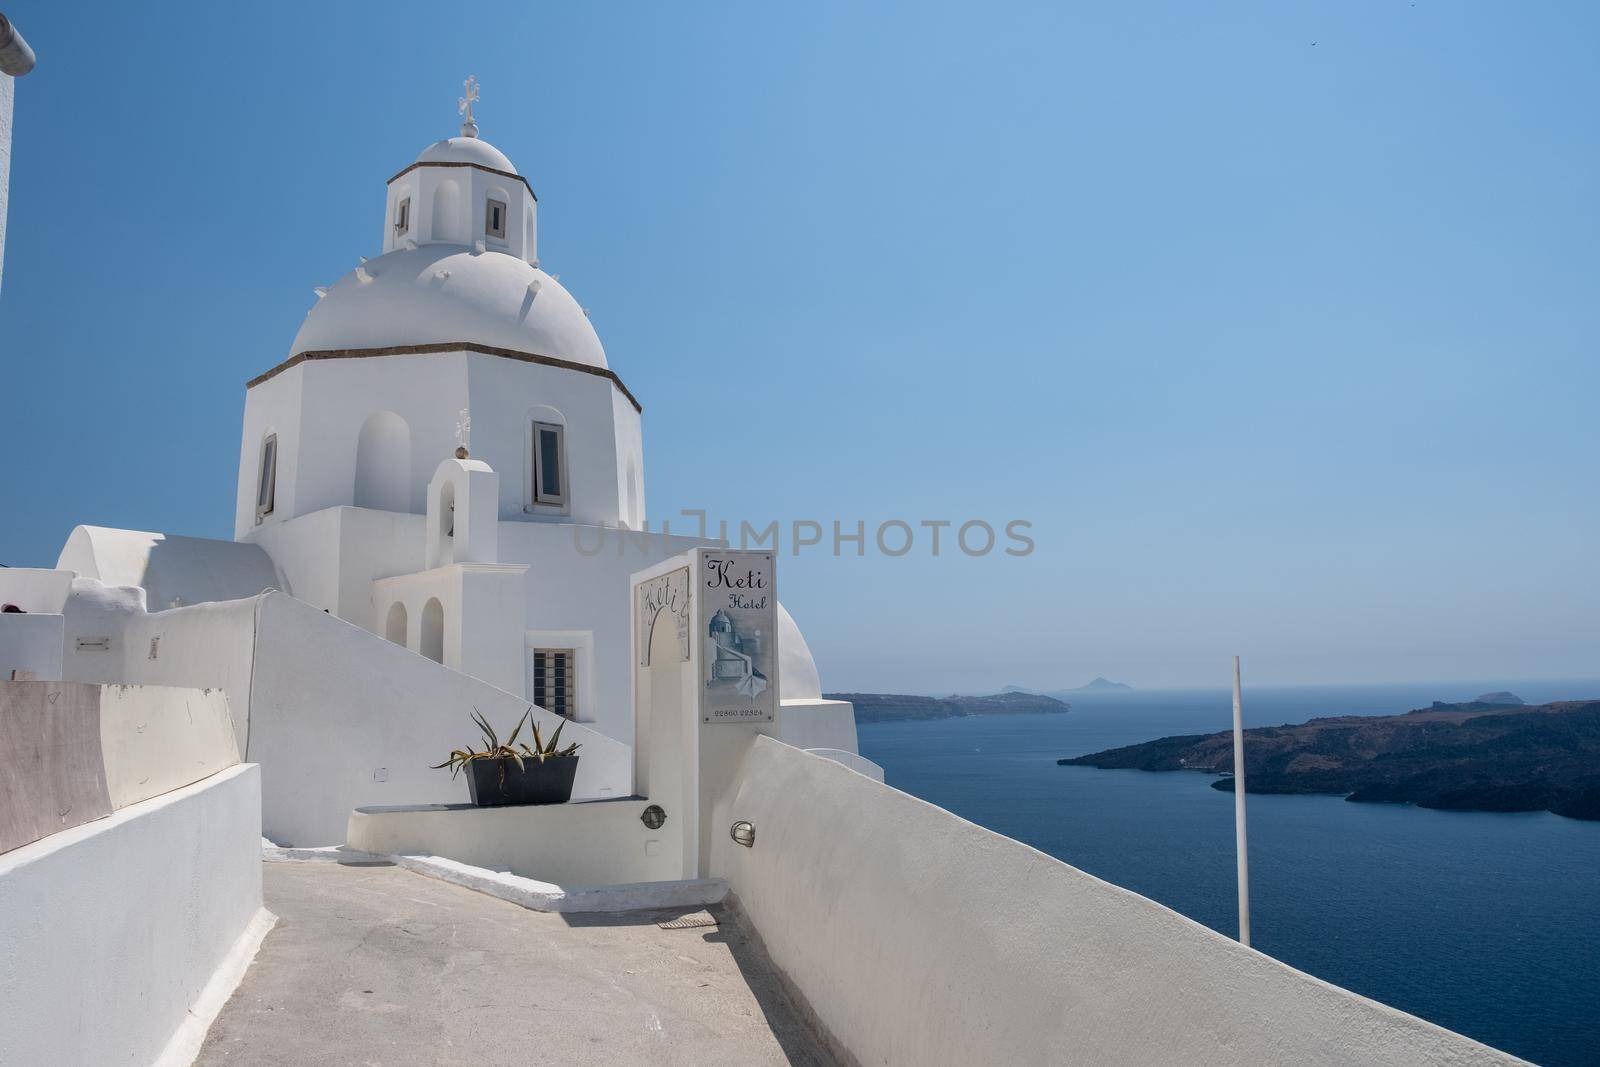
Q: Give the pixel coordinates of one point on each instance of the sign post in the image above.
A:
(1239, 837)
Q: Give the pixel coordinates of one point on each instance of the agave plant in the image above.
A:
(540, 750)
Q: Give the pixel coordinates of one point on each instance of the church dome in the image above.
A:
(467, 150)
(442, 293)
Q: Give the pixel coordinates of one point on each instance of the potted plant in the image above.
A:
(507, 773)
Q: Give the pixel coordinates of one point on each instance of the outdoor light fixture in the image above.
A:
(744, 833)
(653, 817)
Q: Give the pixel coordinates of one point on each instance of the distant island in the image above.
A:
(1483, 755)
(1101, 685)
(900, 707)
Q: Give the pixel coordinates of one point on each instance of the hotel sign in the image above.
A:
(737, 611)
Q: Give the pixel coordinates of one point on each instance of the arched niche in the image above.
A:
(394, 627)
(383, 463)
(449, 213)
(431, 642)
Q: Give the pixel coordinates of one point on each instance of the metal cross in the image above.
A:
(464, 106)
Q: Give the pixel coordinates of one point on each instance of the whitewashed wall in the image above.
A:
(817, 723)
(157, 738)
(341, 719)
(318, 409)
(920, 938)
(598, 843)
(173, 571)
(31, 645)
(337, 716)
(207, 646)
(35, 588)
(143, 907)
(482, 607)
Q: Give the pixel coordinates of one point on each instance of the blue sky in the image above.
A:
(1278, 322)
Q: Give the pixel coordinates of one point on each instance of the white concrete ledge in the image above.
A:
(917, 937)
(271, 853)
(113, 933)
(191, 1033)
(858, 763)
(546, 896)
(591, 842)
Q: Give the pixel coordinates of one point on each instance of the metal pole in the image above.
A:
(1240, 845)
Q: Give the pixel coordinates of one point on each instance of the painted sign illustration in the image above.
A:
(738, 618)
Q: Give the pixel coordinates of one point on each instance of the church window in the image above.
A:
(494, 222)
(402, 217)
(554, 681)
(549, 464)
(267, 486)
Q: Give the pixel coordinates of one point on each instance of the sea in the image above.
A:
(1487, 924)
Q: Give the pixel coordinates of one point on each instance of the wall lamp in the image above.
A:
(653, 817)
(744, 833)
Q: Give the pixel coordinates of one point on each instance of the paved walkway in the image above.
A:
(377, 965)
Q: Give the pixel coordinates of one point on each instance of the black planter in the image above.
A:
(497, 782)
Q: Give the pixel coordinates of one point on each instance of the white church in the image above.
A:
(444, 459)
(437, 493)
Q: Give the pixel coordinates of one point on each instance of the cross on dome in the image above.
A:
(469, 128)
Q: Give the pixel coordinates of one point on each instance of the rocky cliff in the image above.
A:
(1461, 757)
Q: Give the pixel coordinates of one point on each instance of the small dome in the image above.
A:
(467, 150)
(797, 671)
(439, 293)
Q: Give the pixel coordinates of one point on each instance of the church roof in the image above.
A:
(440, 293)
(473, 150)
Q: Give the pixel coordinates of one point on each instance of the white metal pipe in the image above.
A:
(1239, 837)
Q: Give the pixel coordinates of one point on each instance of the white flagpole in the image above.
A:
(1238, 811)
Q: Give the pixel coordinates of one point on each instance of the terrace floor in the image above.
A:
(378, 965)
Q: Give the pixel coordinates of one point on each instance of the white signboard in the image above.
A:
(738, 619)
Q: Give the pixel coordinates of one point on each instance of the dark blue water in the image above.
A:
(1486, 924)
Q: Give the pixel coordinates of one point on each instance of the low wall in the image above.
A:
(157, 738)
(52, 774)
(336, 716)
(341, 718)
(818, 723)
(917, 937)
(30, 646)
(35, 589)
(599, 842)
(854, 760)
(202, 646)
(111, 930)
(71, 752)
